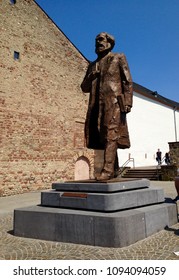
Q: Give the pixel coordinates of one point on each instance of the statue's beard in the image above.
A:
(100, 48)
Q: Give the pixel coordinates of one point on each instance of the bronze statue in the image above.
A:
(109, 82)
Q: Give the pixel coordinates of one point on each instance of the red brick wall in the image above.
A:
(41, 103)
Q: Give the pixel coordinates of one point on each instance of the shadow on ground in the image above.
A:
(176, 231)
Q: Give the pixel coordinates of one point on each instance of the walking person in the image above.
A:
(159, 156)
(167, 158)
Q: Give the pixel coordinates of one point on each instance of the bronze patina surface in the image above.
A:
(109, 82)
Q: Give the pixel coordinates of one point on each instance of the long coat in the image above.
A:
(110, 85)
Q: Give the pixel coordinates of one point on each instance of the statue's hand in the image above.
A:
(127, 108)
(93, 75)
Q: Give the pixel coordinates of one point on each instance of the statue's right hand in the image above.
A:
(93, 75)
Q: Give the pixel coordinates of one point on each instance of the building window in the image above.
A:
(12, 2)
(16, 55)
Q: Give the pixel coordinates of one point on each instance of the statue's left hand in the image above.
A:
(127, 108)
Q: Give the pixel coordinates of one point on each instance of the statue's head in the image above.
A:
(104, 42)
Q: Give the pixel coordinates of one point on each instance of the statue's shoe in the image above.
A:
(104, 176)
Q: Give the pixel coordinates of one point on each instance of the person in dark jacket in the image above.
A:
(167, 158)
(159, 156)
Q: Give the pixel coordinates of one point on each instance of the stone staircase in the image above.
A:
(150, 173)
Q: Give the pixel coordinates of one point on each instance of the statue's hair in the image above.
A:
(109, 38)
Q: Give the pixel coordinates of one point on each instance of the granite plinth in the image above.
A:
(104, 202)
(116, 229)
(97, 186)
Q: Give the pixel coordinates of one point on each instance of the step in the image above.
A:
(151, 174)
(105, 202)
(116, 229)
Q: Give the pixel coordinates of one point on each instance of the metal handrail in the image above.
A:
(126, 163)
(158, 167)
(162, 160)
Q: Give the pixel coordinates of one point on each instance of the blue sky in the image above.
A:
(147, 31)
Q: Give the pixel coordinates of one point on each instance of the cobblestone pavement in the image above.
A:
(159, 246)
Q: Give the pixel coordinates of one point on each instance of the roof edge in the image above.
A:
(155, 96)
(60, 30)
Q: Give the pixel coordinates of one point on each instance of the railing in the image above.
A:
(162, 160)
(158, 168)
(125, 164)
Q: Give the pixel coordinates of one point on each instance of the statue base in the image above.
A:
(108, 214)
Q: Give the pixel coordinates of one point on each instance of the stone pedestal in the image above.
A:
(108, 214)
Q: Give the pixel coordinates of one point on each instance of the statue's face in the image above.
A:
(101, 44)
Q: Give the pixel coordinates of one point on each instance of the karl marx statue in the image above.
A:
(109, 82)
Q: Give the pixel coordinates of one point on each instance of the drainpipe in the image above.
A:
(175, 125)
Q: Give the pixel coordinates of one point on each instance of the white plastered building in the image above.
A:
(152, 123)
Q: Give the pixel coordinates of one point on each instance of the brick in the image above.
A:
(40, 100)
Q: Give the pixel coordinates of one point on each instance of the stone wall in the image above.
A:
(168, 172)
(174, 153)
(41, 104)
